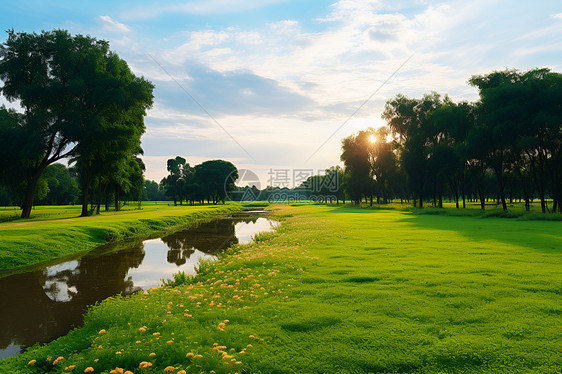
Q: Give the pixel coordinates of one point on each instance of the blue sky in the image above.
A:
(280, 77)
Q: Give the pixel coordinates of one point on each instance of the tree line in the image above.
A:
(505, 146)
(210, 181)
(82, 103)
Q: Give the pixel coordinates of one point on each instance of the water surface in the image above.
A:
(47, 301)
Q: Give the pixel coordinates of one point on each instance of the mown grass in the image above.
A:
(55, 232)
(342, 290)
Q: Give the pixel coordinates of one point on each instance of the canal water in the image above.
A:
(45, 302)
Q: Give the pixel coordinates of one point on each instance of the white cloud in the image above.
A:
(111, 25)
(335, 64)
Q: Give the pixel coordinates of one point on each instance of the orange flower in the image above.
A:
(102, 331)
(145, 364)
(169, 368)
(32, 362)
(89, 369)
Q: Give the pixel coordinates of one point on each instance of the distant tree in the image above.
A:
(63, 188)
(216, 179)
(153, 191)
(174, 183)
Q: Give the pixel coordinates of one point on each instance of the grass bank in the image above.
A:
(57, 232)
(341, 290)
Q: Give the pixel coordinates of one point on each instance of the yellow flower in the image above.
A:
(32, 362)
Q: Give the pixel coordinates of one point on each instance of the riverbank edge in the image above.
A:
(24, 259)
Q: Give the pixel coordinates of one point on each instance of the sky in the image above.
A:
(274, 85)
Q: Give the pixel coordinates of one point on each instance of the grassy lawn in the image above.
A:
(342, 290)
(58, 231)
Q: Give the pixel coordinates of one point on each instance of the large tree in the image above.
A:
(357, 158)
(521, 122)
(72, 88)
(409, 120)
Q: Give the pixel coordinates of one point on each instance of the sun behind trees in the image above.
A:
(81, 102)
(506, 145)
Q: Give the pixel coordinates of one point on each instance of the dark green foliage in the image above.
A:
(62, 187)
(153, 192)
(504, 147)
(80, 101)
(211, 180)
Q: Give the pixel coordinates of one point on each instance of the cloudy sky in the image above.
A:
(276, 84)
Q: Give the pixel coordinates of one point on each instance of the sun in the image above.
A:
(372, 138)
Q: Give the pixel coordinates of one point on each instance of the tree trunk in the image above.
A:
(85, 190)
(538, 182)
(106, 201)
(434, 192)
(482, 199)
(117, 207)
(499, 176)
(421, 201)
(30, 192)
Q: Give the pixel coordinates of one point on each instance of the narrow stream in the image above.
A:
(39, 305)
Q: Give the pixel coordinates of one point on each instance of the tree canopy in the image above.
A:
(507, 144)
(80, 100)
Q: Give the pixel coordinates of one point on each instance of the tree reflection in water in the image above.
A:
(209, 237)
(40, 306)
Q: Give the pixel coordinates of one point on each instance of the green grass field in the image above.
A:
(57, 231)
(342, 290)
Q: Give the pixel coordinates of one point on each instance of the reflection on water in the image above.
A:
(45, 303)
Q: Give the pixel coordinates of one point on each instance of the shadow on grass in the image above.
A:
(545, 236)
